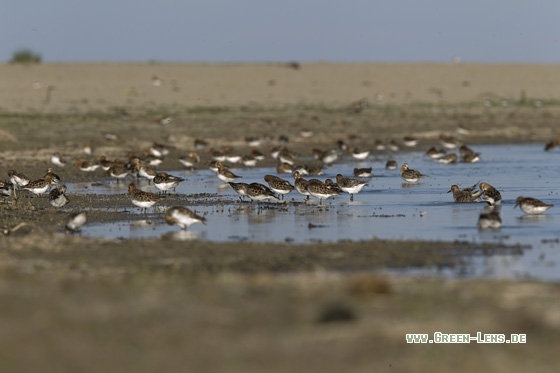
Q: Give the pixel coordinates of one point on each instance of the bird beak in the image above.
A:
(449, 191)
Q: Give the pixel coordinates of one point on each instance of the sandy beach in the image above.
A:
(84, 86)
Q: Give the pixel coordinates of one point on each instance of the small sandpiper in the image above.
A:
(410, 141)
(253, 141)
(105, 163)
(158, 150)
(259, 192)
(531, 206)
(470, 158)
(490, 194)
(391, 164)
(278, 185)
(333, 186)
(409, 175)
(360, 154)
(257, 154)
(224, 174)
(144, 171)
(39, 186)
(328, 156)
(283, 168)
(217, 155)
(320, 190)
(350, 186)
(200, 143)
(142, 199)
(54, 177)
(57, 196)
(183, 217)
(449, 142)
(450, 158)
(301, 184)
(18, 179)
(466, 195)
(163, 181)
(76, 222)
(240, 188)
(286, 156)
(435, 153)
(363, 172)
(468, 155)
(57, 160)
(490, 220)
(6, 188)
(86, 166)
(118, 170)
(249, 160)
(190, 160)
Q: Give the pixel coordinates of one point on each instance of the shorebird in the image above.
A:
(531, 206)
(333, 186)
(449, 142)
(183, 217)
(278, 185)
(409, 175)
(190, 160)
(158, 150)
(18, 179)
(410, 141)
(39, 186)
(350, 186)
(468, 155)
(435, 153)
(363, 172)
(283, 168)
(391, 164)
(75, 222)
(57, 160)
(224, 174)
(240, 188)
(249, 160)
(286, 156)
(87, 166)
(450, 158)
(6, 188)
(118, 170)
(200, 143)
(320, 190)
(57, 197)
(163, 181)
(360, 154)
(142, 199)
(301, 184)
(105, 163)
(145, 171)
(490, 194)
(259, 192)
(466, 195)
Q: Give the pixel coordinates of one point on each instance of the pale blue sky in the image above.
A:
(260, 30)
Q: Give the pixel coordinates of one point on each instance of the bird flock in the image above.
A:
(277, 188)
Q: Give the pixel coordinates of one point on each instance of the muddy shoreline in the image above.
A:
(94, 304)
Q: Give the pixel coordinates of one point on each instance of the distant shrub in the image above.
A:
(25, 56)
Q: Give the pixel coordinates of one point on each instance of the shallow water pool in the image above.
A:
(387, 208)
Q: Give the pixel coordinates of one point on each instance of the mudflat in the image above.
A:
(75, 303)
